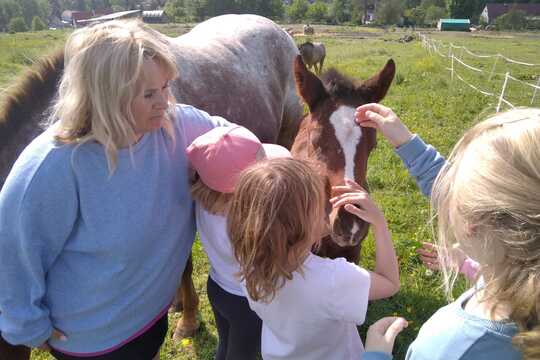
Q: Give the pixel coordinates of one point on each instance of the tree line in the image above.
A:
(19, 15)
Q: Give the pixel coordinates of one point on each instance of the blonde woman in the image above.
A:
(96, 218)
(310, 306)
(487, 201)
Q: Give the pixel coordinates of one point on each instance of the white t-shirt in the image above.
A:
(217, 245)
(314, 316)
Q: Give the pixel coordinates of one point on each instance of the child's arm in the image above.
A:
(422, 161)
(385, 277)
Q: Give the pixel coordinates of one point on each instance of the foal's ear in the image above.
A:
(308, 85)
(375, 88)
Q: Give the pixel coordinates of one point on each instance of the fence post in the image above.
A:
(452, 69)
(535, 90)
(493, 69)
(502, 91)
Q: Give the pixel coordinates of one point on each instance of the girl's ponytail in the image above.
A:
(526, 314)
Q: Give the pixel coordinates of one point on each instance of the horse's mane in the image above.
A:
(337, 84)
(31, 91)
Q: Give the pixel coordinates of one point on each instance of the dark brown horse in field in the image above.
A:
(330, 137)
(313, 55)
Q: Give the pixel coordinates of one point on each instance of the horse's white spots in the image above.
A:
(348, 134)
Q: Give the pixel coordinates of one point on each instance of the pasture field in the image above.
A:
(428, 102)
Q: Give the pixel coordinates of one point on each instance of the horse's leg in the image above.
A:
(188, 324)
(177, 306)
(321, 64)
(11, 352)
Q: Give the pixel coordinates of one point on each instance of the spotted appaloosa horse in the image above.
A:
(330, 137)
(235, 66)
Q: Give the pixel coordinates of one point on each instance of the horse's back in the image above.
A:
(243, 72)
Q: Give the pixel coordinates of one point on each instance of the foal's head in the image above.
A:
(329, 135)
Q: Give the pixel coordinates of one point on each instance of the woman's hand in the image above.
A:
(356, 200)
(382, 334)
(385, 120)
(56, 335)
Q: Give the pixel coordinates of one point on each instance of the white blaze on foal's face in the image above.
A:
(348, 134)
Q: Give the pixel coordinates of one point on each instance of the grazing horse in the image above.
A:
(313, 55)
(235, 66)
(329, 137)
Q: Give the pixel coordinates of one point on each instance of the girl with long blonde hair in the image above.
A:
(310, 306)
(486, 199)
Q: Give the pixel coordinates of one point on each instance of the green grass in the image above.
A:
(427, 101)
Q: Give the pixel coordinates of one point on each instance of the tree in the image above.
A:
(175, 10)
(29, 8)
(55, 9)
(17, 24)
(297, 10)
(434, 14)
(197, 10)
(38, 24)
(389, 12)
(464, 9)
(512, 20)
(317, 11)
(416, 15)
(339, 11)
(270, 8)
(8, 10)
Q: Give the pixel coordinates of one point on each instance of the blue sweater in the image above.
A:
(451, 333)
(94, 255)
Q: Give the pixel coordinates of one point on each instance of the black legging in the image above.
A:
(238, 326)
(143, 347)
(13, 352)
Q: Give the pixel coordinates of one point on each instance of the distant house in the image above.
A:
(369, 15)
(493, 11)
(454, 25)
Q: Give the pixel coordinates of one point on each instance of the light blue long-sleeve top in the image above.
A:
(451, 333)
(94, 255)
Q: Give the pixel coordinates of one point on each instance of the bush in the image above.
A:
(17, 24)
(38, 24)
(317, 12)
(513, 20)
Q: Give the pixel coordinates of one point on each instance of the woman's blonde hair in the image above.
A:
(273, 222)
(103, 68)
(213, 201)
(487, 199)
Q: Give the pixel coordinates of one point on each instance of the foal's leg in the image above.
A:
(188, 324)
